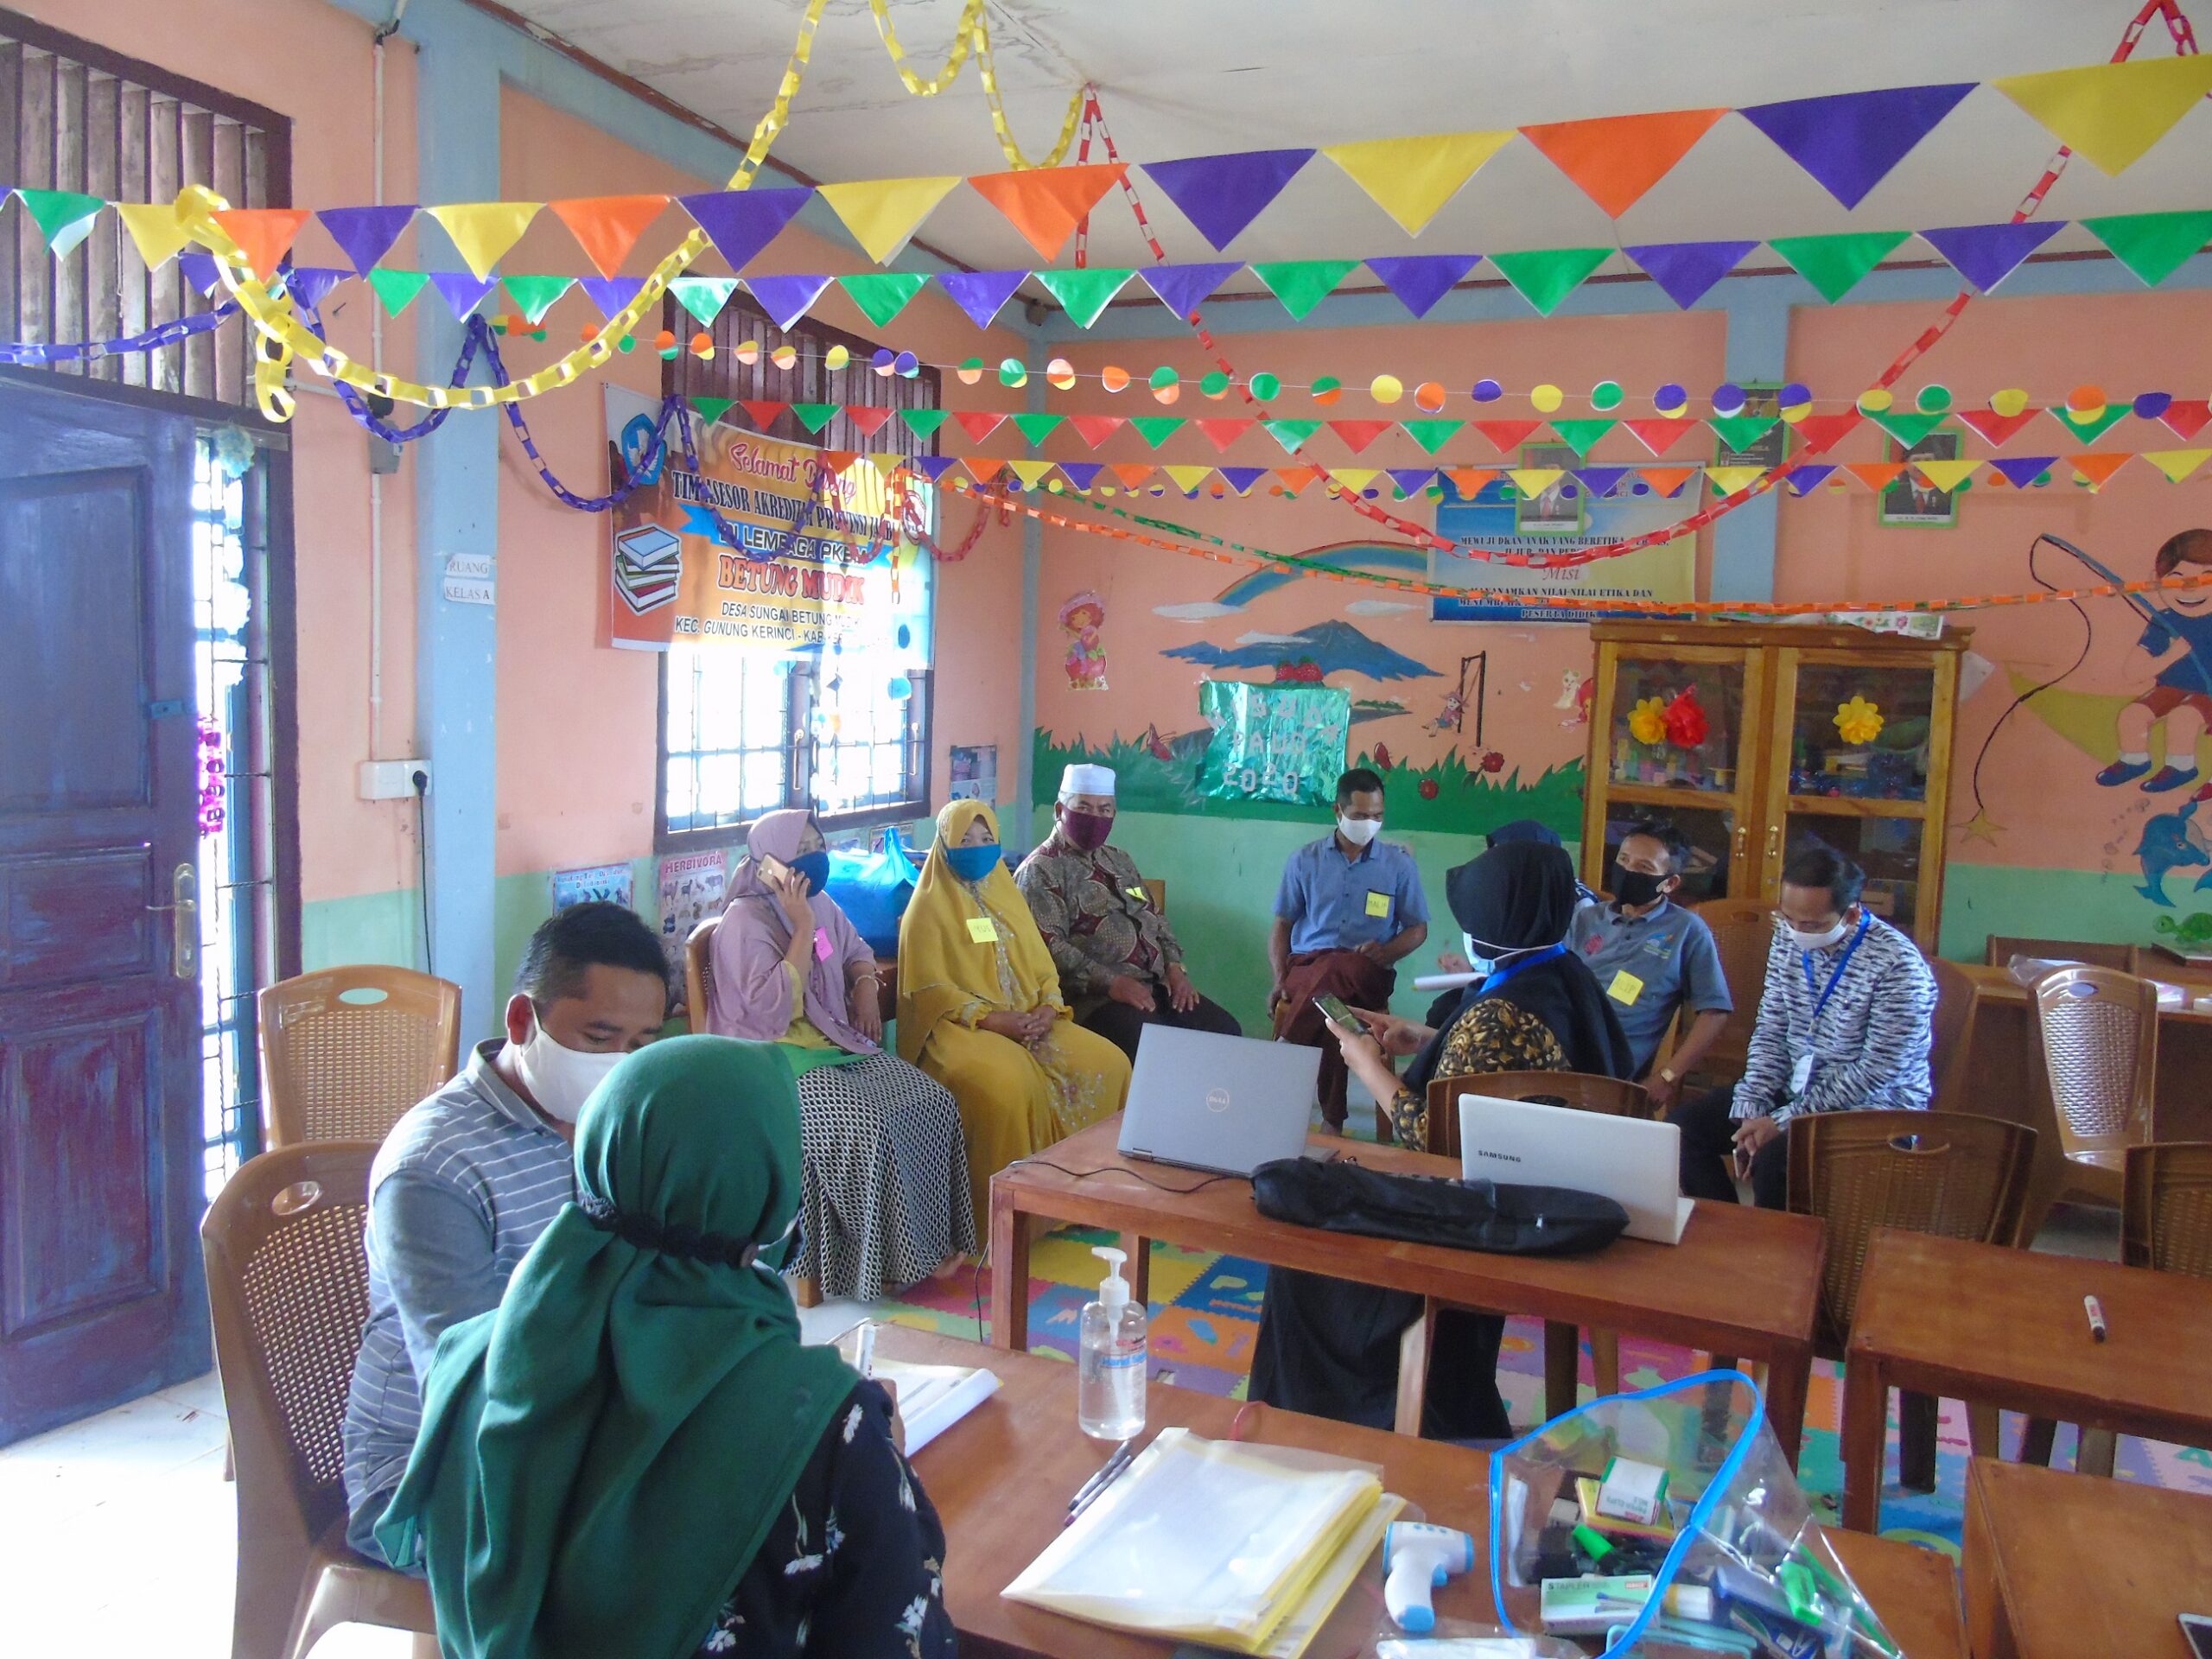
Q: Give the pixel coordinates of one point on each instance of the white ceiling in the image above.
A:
(1195, 76)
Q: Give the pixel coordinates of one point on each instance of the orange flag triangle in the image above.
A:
(1296, 478)
(1875, 474)
(263, 234)
(2099, 466)
(1616, 158)
(608, 227)
(1132, 473)
(1045, 203)
(1469, 480)
(1667, 480)
(982, 467)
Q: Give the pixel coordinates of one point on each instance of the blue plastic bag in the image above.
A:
(873, 890)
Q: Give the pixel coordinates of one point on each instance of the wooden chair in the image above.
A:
(1743, 932)
(1578, 1091)
(2166, 1213)
(1952, 1037)
(1158, 889)
(346, 1052)
(1953, 1173)
(2002, 948)
(288, 1289)
(2100, 1030)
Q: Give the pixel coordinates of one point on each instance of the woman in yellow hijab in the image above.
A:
(980, 1008)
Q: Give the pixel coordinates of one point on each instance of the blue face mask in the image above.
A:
(815, 866)
(972, 863)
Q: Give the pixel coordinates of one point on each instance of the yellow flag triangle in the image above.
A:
(155, 228)
(1031, 473)
(1533, 481)
(1188, 478)
(1729, 480)
(1946, 475)
(882, 213)
(2177, 464)
(483, 231)
(1411, 178)
(2113, 113)
(886, 465)
(1354, 479)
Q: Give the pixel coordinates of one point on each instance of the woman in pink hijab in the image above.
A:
(885, 1200)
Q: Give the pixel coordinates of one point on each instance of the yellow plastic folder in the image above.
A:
(1213, 1542)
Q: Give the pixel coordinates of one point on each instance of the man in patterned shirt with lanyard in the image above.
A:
(1120, 967)
(1844, 1024)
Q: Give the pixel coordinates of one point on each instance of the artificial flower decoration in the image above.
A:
(1686, 722)
(1858, 721)
(1647, 722)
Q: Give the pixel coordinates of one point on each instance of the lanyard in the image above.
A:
(1502, 975)
(1866, 920)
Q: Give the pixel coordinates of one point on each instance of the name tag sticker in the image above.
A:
(822, 948)
(1625, 989)
(982, 930)
(1800, 1075)
(1378, 904)
(1142, 895)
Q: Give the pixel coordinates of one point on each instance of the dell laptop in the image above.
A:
(1635, 1164)
(1226, 1104)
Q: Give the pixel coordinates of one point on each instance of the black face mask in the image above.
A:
(1635, 888)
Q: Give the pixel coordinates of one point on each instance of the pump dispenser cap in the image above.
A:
(1113, 1289)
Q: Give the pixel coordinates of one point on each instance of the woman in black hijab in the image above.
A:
(1331, 1348)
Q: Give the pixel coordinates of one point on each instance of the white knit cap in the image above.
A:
(1078, 779)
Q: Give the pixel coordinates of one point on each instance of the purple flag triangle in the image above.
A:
(611, 294)
(1180, 287)
(1082, 473)
(1850, 141)
(787, 298)
(2023, 470)
(935, 466)
(1241, 479)
(1986, 254)
(199, 269)
(1421, 280)
(1684, 271)
(981, 294)
(1221, 194)
(1411, 480)
(365, 234)
(310, 285)
(1804, 479)
(461, 291)
(742, 222)
(1599, 480)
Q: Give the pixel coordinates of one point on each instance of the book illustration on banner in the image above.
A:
(648, 568)
(610, 884)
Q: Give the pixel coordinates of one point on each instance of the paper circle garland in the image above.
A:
(2087, 401)
(1933, 400)
(1215, 386)
(1162, 378)
(971, 371)
(1013, 372)
(1266, 387)
(1794, 401)
(2150, 405)
(1606, 396)
(1114, 378)
(1488, 390)
(882, 361)
(1875, 400)
(1728, 399)
(1060, 373)
(835, 358)
(702, 344)
(1546, 398)
(1386, 389)
(2009, 402)
(665, 340)
(1671, 400)
(906, 365)
(783, 357)
(628, 343)
(1328, 389)
(1164, 395)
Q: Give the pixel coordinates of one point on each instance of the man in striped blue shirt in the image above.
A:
(1844, 1024)
(466, 1182)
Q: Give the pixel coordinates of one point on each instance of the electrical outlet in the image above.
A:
(391, 781)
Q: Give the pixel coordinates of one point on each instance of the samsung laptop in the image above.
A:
(1635, 1164)
(1227, 1104)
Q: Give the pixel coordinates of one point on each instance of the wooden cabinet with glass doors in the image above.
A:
(1758, 738)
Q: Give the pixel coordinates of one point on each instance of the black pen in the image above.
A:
(1099, 1481)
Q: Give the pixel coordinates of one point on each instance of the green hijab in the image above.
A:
(602, 1455)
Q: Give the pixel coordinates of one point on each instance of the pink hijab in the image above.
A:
(752, 996)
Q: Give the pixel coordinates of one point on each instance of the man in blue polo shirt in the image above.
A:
(1350, 907)
(1653, 958)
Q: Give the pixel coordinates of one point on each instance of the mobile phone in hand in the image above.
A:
(2198, 1628)
(1335, 1008)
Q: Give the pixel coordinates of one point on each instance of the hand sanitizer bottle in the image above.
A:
(1110, 1358)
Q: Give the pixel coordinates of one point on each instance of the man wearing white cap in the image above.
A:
(1120, 969)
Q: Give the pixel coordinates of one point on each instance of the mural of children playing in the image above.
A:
(2178, 636)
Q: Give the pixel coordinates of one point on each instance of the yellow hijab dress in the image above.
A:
(970, 949)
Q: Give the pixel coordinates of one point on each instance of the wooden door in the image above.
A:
(102, 1296)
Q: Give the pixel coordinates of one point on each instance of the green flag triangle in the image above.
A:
(1083, 293)
(1037, 427)
(712, 408)
(1433, 435)
(1581, 435)
(64, 217)
(1907, 428)
(397, 288)
(1738, 432)
(1291, 434)
(1544, 277)
(1156, 429)
(536, 295)
(703, 296)
(1302, 284)
(2090, 428)
(1833, 265)
(883, 294)
(2152, 245)
(815, 416)
(923, 423)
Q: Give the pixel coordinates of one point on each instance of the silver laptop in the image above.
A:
(1637, 1165)
(1227, 1104)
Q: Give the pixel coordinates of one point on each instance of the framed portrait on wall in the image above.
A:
(1912, 500)
(1561, 509)
(1761, 399)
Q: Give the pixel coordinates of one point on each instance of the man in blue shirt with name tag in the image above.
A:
(1350, 908)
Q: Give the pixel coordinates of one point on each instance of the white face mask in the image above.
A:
(1820, 941)
(1359, 831)
(559, 1079)
(1481, 964)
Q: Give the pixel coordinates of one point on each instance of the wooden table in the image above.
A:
(2060, 1564)
(1001, 1479)
(2006, 1067)
(1743, 1282)
(2008, 1328)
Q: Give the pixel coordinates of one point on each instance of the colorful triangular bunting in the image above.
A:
(365, 234)
(1421, 280)
(263, 234)
(814, 416)
(65, 218)
(981, 294)
(740, 222)
(1876, 475)
(397, 289)
(1468, 482)
(1188, 478)
(1302, 284)
(935, 467)
(2096, 469)
(1037, 426)
(1803, 479)
(2152, 245)
(923, 422)
(1684, 271)
(482, 231)
(1132, 473)
(310, 285)
(1082, 473)
(1412, 481)
(1410, 179)
(1907, 428)
(1833, 265)
(462, 292)
(703, 296)
(1180, 287)
(882, 295)
(2113, 113)
(1221, 194)
(2186, 416)
(1732, 480)
(2089, 428)
(2021, 471)
(1946, 475)
(1819, 432)
(712, 408)
(536, 295)
(608, 227)
(1667, 480)
(1222, 433)
(1241, 479)
(1658, 436)
(1614, 159)
(2177, 464)
(1506, 437)
(1581, 436)
(982, 468)
(1355, 478)
(1156, 430)
(1849, 141)
(1031, 473)
(1084, 292)
(1358, 434)
(1431, 435)
(763, 412)
(154, 228)
(1094, 429)
(1544, 277)
(1533, 481)
(1045, 203)
(977, 423)
(611, 295)
(883, 214)
(785, 299)
(1986, 254)
(1601, 481)
(1996, 430)
(1291, 434)
(1736, 432)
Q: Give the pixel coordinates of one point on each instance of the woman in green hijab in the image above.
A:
(634, 1454)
